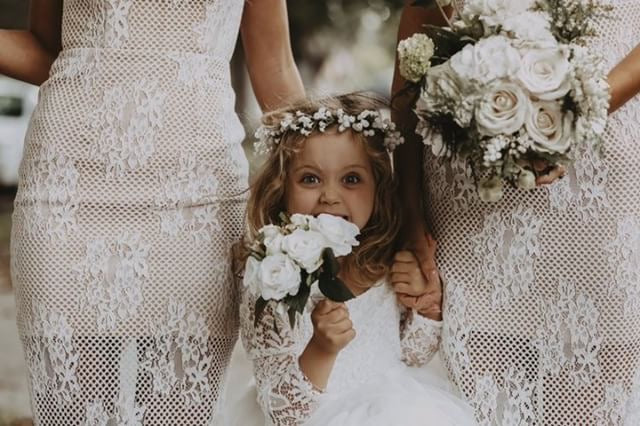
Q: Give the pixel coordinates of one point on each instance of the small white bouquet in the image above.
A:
(508, 83)
(285, 261)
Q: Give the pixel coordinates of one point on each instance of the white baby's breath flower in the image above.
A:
(503, 109)
(279, 277)
(549, 128)
(490, 59)
(545, 73)
(414, 55)
(305, 247)
(339, 233)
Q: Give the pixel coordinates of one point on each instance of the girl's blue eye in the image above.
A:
(352, 179)
(309, 179)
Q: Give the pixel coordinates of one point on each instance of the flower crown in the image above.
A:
(368, 122)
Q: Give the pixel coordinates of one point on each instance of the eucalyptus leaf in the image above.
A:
(447, 43)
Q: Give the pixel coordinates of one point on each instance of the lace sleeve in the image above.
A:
(420, 338)
(285, 394)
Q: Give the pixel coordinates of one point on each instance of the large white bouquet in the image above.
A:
(285, 261)
(510, 82)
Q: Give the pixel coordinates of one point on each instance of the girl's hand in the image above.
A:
(548, 175)
(332, 328)
(416, 280)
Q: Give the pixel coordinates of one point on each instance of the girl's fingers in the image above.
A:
(325, 306)
(403, 267)
(553, 175)
(406, 289)
(400, 277)
(404, 256)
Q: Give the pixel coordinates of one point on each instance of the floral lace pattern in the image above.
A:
(569, 340)
(624, 258)
(127, 122)
(126, 413)
(50, 196)
(187, 204)
(113, 275)
(285, 394)
(211, 34)
(51, 357)
(179, 358)
(508, 246)
(455, 330)
(506, 404)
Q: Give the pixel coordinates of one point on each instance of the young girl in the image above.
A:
(345, 363)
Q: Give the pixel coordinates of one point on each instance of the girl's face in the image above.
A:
(332, 175)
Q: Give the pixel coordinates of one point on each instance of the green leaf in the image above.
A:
(447, 43)
(261, 304)
(425, 3)
(292, 317)
(329, 283)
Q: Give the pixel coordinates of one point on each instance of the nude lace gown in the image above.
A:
(542, 302)
(127, 205)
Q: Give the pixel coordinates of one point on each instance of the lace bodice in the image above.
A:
(541, 306)
(385, 340)
(130, 197)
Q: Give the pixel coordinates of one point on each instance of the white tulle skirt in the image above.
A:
(404, 397)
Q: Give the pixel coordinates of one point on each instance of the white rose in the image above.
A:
(443, 91)
(545, 73)
(526, 179)
(494, 12)
(339, 233)
(414, 56)
(300, 220)
(279, 276)
(490, 59)
(550, 129)
(251, 278)
(502, 110)
(272, 238)
(305, 247)
(490, 190)
(530, 28)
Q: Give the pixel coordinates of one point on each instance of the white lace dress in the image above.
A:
(542, 301)
(127, 206)
(370, 384)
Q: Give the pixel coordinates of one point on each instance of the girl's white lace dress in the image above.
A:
(127, 206)
(542, 298)
(371, 383)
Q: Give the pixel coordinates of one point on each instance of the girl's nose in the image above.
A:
(329, 196)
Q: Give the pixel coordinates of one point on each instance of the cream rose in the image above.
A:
(549, 128)
(503, 110)
(545, 73)
(529, 28)
(339, 233)
(490, 59)
(494, 12)
(279, 276)
(305, 247)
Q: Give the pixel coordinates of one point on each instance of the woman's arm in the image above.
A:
(624, 80)
(28, 54)
(265, 37)
(408, 157)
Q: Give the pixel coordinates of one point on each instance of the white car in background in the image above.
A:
(17, 101)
